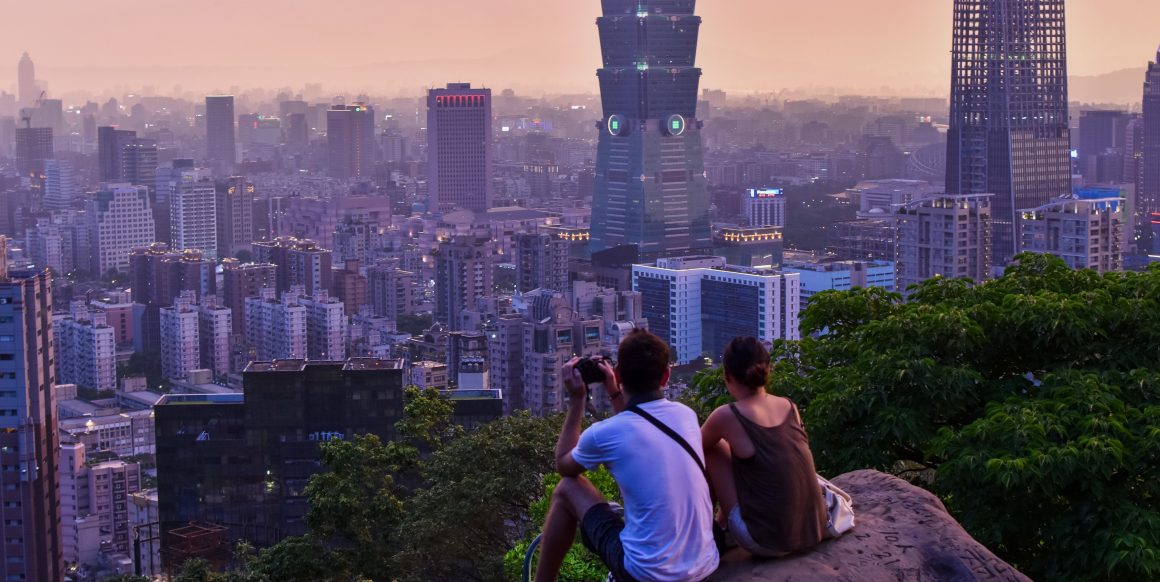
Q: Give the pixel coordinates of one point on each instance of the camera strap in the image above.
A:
(635, 409)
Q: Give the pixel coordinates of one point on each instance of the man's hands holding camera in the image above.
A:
(579, 373)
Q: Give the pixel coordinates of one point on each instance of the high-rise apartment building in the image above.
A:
(541, 262)
(158, 275)
(95, 505)
(60, 185)
(276, 327)
(651, 189)
(86, 348)
(944, 236)
(221, 148)
(459, 148)
(350, 287)
(29, 443)
(215, 326)
(392, 292)
(350, 141)
(180, 339)
(1009, 131)
(697, 304)
(240, 281)
(1148, 188)
(763, 207)
(299, 262)
(1087, 233)
(120, 220)
(193, 213)
(235, 215)
(325, 327)
(463, 273)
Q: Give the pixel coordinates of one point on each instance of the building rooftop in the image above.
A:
(174, 399)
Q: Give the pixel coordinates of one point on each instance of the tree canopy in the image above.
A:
(1030, 403)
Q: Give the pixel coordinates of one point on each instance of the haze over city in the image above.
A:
(883, 47)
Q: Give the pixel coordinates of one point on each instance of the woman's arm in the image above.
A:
(712, 432)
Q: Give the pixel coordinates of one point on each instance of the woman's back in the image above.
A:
(777, 487)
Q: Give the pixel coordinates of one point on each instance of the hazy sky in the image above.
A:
(892, 46)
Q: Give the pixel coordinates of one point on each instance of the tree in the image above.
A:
(478, 503)
(244, 256)
(415, 324)
(1030, 403)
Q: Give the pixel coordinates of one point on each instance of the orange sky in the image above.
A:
(385, 46)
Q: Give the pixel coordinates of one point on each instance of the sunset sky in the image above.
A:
(873, 46)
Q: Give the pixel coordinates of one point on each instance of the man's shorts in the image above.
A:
(600, 531)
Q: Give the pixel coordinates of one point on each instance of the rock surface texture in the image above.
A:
(903, 533)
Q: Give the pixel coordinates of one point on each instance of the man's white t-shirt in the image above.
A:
(668, 533)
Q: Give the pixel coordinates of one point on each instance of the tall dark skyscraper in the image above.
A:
(29, 443)
(650, 165)
(220, 135)
(350, 141)
(110, 151)
(459, 149)
(1009, 117)
(1148, 189)
(33, 147)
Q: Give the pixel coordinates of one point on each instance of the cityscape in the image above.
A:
(201, 291)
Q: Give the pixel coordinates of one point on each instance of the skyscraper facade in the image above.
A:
(220, 134)
(110, 144)
(33, 149)
(1148, 189)
(459, 149)
(29, 441)
(235, 215)
(350, 141)
(120, 220)
(193, 213)
(1008, 131)
(650, 186)
(26, 81)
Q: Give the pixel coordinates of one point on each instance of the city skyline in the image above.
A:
(901, 45)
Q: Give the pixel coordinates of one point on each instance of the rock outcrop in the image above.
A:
(903, 533)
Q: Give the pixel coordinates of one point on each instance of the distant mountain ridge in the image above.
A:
(1122, 87)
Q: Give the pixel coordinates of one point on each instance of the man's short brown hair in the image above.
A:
(642, 361)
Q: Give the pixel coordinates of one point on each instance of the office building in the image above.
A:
(1148, 188)
(214, 328)
(459, 149)
(541, 262)
(86, 348)
(299, 262)
(751, 246)
(193, 213)
(276, 327)
(877, 199)
(240, 281)
(350, 287)
(945, 236)
(1009, 133)
(763, 207)
(33, 149)
(1087, 233)
(235, 215)
(27, 90)
(158, 274)
(865, 239)
(827, 273)
(120, 220)
(220, 135)
(350, 141)
(95, 505)
(29, 444)
(257, 452)
(464, 273)
(697, 304)
(139, 162)
(650, 187)
(111, 144)
(180, 339)
(60, 185)
(1103, 136)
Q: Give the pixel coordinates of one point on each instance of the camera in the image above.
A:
(590, 371)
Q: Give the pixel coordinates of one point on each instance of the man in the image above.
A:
(667, 532)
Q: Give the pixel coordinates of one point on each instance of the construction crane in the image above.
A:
(27, 112)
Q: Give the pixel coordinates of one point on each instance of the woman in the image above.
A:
(759, 461)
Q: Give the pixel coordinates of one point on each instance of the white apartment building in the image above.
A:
(86, 348)
(215, 326)
(193, 212)
(326, 325)
(276, 328)
(1085, 233)
(180, 338)
(94, 501)
(120, 220)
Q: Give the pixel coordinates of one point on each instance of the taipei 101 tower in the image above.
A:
(650, 167)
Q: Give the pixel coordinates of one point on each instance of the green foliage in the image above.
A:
(1029, 403)
(415, 324)
(580, 565)
(814, 211)
(478, 501)
(146, 364)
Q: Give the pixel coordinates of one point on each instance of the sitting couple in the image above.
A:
(756, 452)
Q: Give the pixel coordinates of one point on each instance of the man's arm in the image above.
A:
(570, 433)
